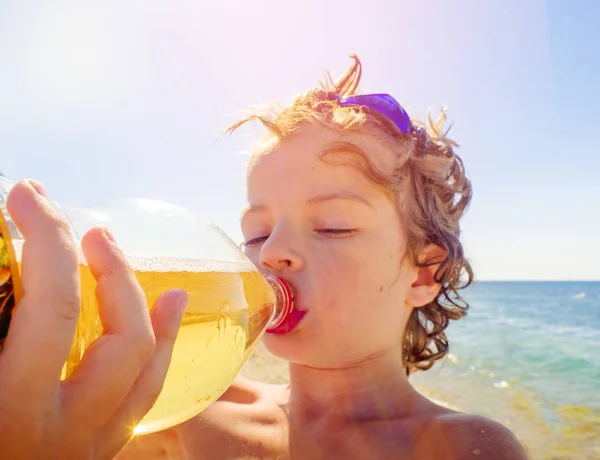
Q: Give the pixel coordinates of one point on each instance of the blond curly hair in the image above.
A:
(428, 185)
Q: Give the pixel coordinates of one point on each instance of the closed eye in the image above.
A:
(330, 232)
(336, 232)
(254, 241)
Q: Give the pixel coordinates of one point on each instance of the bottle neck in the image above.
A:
(284, 300)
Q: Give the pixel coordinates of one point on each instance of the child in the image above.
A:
(356, 206)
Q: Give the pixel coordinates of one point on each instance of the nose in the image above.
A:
(280, 252)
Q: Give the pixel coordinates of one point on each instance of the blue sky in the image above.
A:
(130, 98)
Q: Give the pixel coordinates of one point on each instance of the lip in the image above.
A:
(289, 323)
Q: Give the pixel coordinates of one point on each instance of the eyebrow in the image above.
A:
(344, 195)
(251, 210)
(349, 196)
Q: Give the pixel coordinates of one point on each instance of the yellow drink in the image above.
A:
(229, 305)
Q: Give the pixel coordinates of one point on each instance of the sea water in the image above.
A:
(528, 355)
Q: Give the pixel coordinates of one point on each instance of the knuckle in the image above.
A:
(54, 219)
(68, 251)
(67, 307)
(144, 345)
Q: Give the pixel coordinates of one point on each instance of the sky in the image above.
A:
(130, 98)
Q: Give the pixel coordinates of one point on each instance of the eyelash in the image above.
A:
(332, 232)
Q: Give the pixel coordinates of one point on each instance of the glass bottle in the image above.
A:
(230, 303)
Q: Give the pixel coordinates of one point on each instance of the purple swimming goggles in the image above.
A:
(384, 104)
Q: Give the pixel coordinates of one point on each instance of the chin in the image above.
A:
(299, 350)
(284, 347)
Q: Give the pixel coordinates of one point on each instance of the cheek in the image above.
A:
(331, 273)
(367, 281)
(349, 282)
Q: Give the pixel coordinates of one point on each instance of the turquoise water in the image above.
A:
(528, 355)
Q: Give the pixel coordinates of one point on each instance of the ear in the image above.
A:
(424, 289)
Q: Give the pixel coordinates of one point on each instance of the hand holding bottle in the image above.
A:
(92, 413)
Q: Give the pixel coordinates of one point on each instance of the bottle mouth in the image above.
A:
(284, 300)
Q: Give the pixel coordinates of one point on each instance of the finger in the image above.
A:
(113, 362)
(166, 320)
(43, 324)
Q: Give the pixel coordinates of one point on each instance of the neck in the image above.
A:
(375, 388)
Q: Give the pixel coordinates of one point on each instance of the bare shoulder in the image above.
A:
(245, 391)
(233, 427)
(245, 401)
(468, 436)
(245, 421)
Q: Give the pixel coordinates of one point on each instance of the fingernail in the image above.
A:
(39, 188)
(110, 236)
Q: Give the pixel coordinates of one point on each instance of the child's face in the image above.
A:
(337, 238)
